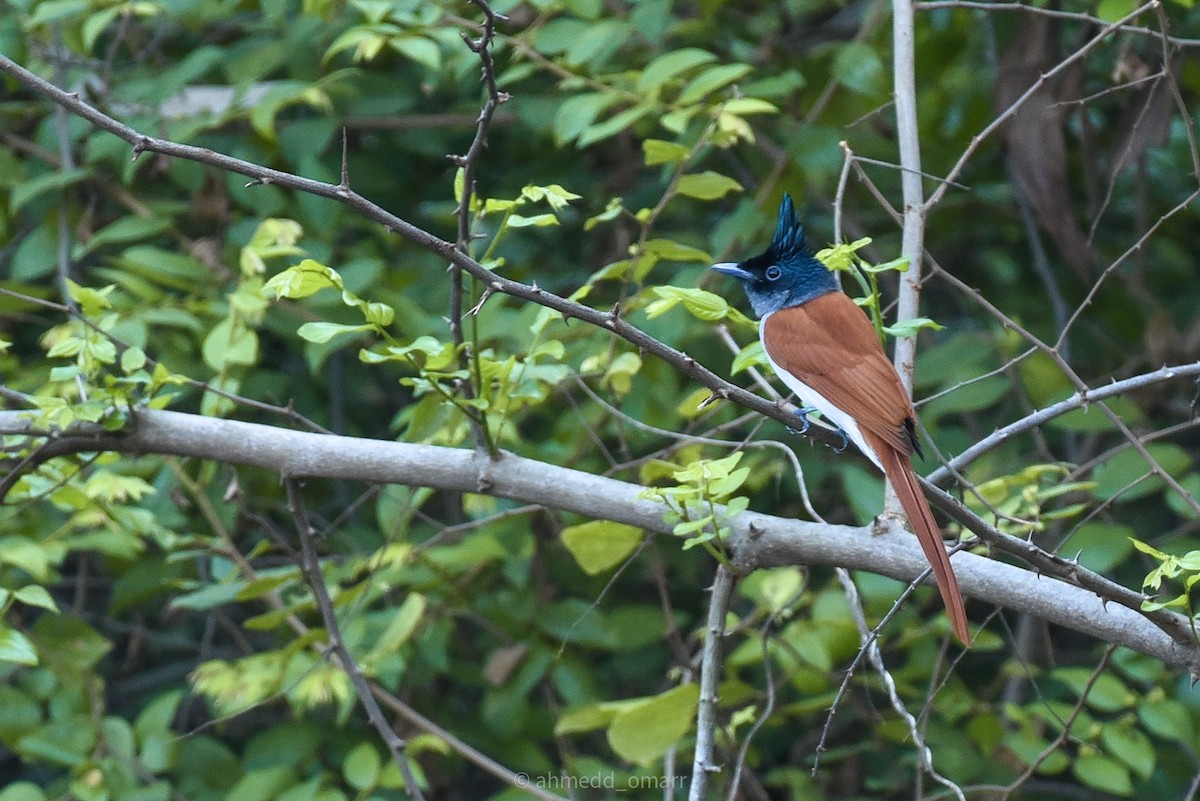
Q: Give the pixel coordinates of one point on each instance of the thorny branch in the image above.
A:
(310, 563)
(710, 672)
(468, 162)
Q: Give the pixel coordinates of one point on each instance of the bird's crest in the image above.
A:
(789, 233)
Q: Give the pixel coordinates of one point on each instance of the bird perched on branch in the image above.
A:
(824, 348)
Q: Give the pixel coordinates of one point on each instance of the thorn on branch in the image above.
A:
(487, 293)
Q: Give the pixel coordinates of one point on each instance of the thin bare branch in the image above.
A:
(710, 673)
(311, 566)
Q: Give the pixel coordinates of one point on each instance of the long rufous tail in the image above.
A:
(898, 469)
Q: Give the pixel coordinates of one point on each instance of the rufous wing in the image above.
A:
(829, 345)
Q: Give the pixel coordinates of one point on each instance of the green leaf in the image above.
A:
(701, 303)
(320, 332)
(707, 185)
(669, 250)
(613, 125)
(910, 327)
(27, 191)
(710, 80)
(361, 766)
(128, 229)
(302, 280)
(1107, 694)
(752, 355)
(659, 152)
(133, 359)
(1113, 476)
(858, 67)
(577, 113)
(772, 587)
(1167, 718)
(403, 624)
(230, 343)
(15, 647)
(1103, 773)
(591, 717)
(36, 595)
(599, 545)
(1130, 745)
(425, 52)
(668, 65)
(644, 732)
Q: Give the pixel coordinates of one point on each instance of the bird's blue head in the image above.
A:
(785, 274)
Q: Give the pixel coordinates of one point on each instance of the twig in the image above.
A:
(1079, 400)
(871, 646)
(995, 124)
(1075, 16)
(311, 565)
(468, 162)
(1065, 734)
(710, 671)
(141, 143)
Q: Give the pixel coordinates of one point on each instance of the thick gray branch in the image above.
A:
(758, 540)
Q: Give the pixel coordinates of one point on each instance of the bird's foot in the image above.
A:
(803, 412)
(845, 440)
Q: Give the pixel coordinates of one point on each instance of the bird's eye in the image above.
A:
(773, 272)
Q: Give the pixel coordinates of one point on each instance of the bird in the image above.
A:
(825, 350)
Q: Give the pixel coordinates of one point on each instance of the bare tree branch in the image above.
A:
(757, 540)
(710, 673)
(310, 564)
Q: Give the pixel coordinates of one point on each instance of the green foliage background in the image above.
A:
(159, 641)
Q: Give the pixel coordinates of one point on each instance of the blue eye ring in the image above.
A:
(773, 272)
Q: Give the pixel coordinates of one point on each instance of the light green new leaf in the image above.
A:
(700, 302)
(36, 595)
(752, 355)
(230, 344)
(745, 106)
(599, 545)
(707, 185)
(302, 280)
(670, 250)
(321, 332)
(659, 152)
(646, 731)
(536, 221)
(16, 647)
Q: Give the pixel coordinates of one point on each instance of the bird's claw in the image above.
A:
(803, 412)
(845, 441)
